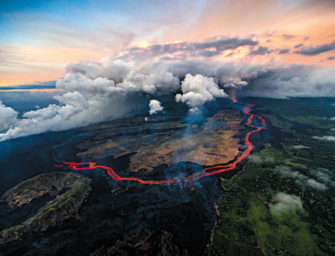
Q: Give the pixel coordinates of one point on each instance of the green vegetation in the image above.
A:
(248, 222)
(316, 121)
(315, 112)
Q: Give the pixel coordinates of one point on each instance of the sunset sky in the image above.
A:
(39, 38)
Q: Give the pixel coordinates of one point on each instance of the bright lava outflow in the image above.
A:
(186, 179)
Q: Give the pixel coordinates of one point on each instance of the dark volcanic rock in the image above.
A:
(69, 191)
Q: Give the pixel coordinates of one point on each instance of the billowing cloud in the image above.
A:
(94, 92)
(8, 116)
(155, 106)
(106, 68)
(157, 83)
(315, 50)
(91, 92)
(197, 90)
(292, 81)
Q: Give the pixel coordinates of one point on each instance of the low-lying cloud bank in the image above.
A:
(118, 86)
(293, 81)
(314, 181)
(285, 203)
(325, 138)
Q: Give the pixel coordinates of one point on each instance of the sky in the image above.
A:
(67, 64)
(38, 39)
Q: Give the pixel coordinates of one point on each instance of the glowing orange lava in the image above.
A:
(186, 179)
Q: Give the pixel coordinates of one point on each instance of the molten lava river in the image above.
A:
(251, 122)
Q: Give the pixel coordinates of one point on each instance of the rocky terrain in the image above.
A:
(67, 192)
(213, 142)
(86, 212)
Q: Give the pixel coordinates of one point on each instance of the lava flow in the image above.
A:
(186, 179)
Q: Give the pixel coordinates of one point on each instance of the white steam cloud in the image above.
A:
(155, 106)
(197, 90)
(117, 86)
(8, 116)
